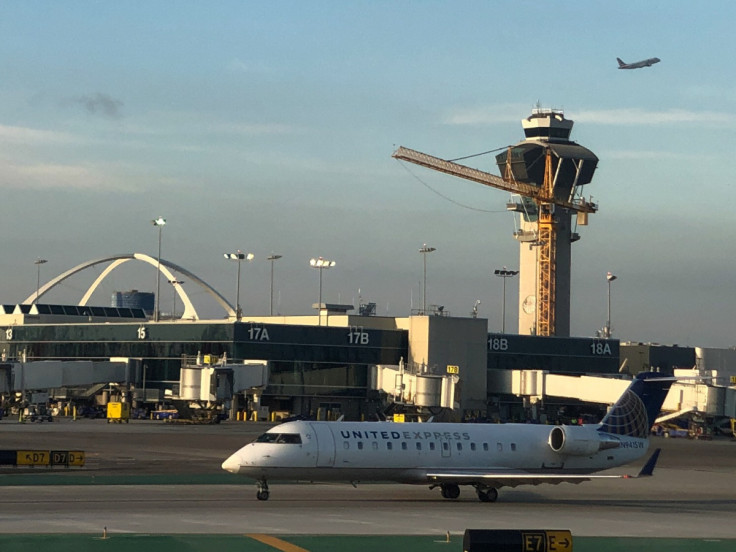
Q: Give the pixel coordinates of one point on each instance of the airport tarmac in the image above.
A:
(692, 495)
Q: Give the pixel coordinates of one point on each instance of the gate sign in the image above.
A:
(506, 540)
(33, 458)
(76, 458)
(49, 458)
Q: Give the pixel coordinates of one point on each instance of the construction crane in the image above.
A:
(552, 185)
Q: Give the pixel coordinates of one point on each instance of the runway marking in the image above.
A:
(276, 543)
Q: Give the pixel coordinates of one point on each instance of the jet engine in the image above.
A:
(580, 440)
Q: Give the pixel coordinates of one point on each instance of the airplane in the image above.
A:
(639, 64)
(447, 455)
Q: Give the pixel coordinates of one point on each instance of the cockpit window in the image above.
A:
(288, 438)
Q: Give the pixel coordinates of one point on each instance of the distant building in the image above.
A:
(135, 299)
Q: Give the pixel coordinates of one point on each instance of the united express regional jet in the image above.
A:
(638, 65)
(447, 455)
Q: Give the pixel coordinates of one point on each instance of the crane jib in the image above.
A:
(488, 179)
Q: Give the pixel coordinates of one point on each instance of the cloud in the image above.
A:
(95, 178)
(633, 116)
(30, 136)
(100, 104)
(48, 176)
(636, 116)
(253, 129)
(239, 67)
(486, 115)
(662, 155)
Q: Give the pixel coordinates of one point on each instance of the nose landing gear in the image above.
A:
(262, 493)
(450, 490)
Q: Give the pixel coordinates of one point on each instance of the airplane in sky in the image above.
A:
(639, 64)
(447, 455)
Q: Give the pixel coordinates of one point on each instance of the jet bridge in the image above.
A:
(55, 374)
(414, 388)
(693, 393)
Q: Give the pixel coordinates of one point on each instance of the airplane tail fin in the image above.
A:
(634, 413)
(620, 62)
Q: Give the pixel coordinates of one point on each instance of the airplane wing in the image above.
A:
(514, 478)
(509, 478)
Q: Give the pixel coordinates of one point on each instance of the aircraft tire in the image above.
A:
(262, 495)
(491, 495)
(450, 490)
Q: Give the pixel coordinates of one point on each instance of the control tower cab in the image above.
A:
(573, 164)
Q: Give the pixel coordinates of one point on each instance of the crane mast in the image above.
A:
(566, 166)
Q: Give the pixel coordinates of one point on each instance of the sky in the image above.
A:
(269, 127)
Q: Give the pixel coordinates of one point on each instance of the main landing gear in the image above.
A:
(262, 493)
(485, 494)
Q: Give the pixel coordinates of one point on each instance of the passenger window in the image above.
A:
(445, 446)
(374, 445)
(360, 445)
(346, 445)
(485, 447)
(389, 445)
(431, 446)
(403, 445)
(499, 446)
(472, 446)
(419, 445)
(513, 446)
(459, 446)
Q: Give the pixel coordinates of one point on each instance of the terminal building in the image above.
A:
(329, 364)
(336, 364)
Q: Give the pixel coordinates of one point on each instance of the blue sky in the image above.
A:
(269, 127)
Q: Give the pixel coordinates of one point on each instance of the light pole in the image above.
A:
(272, 258)
(38, 262)
(160, 222)
(174, 283)
(504, 273)
(321, 264)
(610, 277)
(424, 250)
(239, 256)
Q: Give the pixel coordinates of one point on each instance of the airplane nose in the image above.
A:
(232, 464)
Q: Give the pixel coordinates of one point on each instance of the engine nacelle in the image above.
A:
(579, 440)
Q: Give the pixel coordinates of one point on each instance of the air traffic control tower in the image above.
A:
(546, 231)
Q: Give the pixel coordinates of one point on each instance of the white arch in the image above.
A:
(189, 310)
